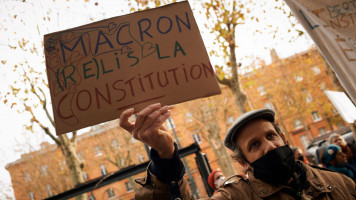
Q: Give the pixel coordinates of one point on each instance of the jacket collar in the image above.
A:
(318, 184)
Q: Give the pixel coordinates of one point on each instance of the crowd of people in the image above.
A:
(340, 156)
(273, 169)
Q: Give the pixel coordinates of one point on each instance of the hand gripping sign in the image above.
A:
(98, 70)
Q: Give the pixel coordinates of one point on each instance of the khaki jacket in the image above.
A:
(324, 184)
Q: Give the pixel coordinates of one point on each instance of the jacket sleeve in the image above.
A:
(164, 179)
(152, 188)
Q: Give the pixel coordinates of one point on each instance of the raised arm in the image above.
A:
(164, 178)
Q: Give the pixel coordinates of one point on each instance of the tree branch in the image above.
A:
(48, 132)
(74, 136)
(44, 105)
(224, 81)
(45, 128)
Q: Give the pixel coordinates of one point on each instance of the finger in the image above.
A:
(152, 118)
(141, 116)
(155, 131)
(159, 123)
(124, 119)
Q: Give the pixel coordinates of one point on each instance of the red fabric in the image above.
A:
(305, 160)
(211, 179)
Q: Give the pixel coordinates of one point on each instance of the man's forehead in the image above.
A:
(257, 124)
(248, 130)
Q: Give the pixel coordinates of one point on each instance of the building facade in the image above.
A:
(294, 88)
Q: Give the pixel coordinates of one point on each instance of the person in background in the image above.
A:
(298, 155)
(348, 149)
(215, 179)
(336, 160)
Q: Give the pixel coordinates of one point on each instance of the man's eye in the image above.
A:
(270, 136)
(253, 145)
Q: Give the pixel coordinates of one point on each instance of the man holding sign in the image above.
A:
(257, 143)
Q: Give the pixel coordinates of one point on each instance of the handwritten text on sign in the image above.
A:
(98, 70)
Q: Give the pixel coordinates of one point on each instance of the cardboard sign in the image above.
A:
(343, 105)
(98, 70)
(332, 24)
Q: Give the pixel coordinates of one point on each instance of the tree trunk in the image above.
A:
(226, 157)
(233, 83)
(240, 97)
(74, 164)
(223, 159)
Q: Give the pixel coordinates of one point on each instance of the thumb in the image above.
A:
(124, 120)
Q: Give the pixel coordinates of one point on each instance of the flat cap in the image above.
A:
(230, 138)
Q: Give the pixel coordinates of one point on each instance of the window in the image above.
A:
(103, 170)
(85, 176)
(261, 90)
(197, 138)
(49, 191)
(308, 98)
(91, 197)
(140, 158)
(288, 100)
(340, 125)
(128, 186)
(322, 131)
(297, 124)
(62, 164)
(188, 117)
(230, 119)
(305, 141)
(31, 195)
(111, 193)
(298, 78)
(44, 169)
(316, 116)
(26, 176)
(98, 151)
(170, 124)
(122, 162)
(269, 105)
(316, 70)
(116, 145)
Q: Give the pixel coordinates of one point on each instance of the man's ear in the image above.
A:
(243, 162)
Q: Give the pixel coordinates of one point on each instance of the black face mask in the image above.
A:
(276, 167)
